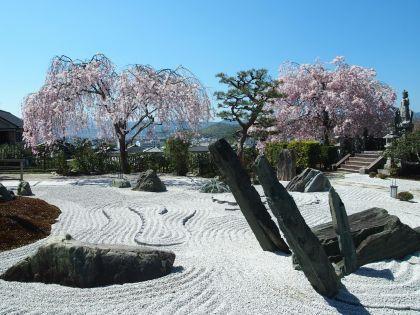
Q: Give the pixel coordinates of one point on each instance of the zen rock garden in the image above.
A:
(326, 252)
(151, 181)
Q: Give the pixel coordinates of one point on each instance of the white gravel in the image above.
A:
(219, 267)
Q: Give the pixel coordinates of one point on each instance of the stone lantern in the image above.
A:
(389, 138)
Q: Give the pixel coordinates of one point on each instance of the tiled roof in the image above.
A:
(11, 118)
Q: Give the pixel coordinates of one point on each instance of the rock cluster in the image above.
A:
(66, 261)
(247, 197)
(310, 180)
(302, 241)
(376, 235)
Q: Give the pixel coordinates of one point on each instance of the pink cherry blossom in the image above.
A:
(77, 93)
(336, 99)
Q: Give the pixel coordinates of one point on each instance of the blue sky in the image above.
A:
(208, 37)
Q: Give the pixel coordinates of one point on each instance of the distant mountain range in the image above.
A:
(211, 129)
(220, 129)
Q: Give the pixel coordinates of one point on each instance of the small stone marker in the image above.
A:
(24, 189)
(248, 199)
(305, 245)
(341, 226)
(286, 165)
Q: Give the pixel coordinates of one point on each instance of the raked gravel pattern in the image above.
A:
(219, 266)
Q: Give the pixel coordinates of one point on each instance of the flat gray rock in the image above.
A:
(65, 261)
(120, 183)
(376, 235)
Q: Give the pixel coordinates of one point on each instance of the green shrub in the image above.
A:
(406, 148)
(91, 158)
(143, 161)
(272, 151)
(250, 155)
(372, 174)
(14, 151)
(214, 186)
(176, 150)
(405, 196)
(382, 176)
(62, 166)
(307, 153)
(329, 155)
(202, 164)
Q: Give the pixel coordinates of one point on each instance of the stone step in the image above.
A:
(373, 152)
(366, 155)
(357, 162)
(351, 166)
(362, 159)
(349, 170)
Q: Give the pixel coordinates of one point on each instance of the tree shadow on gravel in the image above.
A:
(93, 182)
(347, 303)
(193, 184)
(177, 269)
(373, 273)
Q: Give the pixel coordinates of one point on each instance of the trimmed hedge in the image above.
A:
(308, 153)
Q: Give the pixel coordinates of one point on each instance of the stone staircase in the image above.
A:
(360, 161)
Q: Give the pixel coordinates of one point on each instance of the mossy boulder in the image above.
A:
(405, 196)
(66, 261)
(149, 181)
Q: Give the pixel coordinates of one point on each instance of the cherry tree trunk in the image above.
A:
(125, 168)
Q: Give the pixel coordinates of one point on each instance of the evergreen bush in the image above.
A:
(176, 150)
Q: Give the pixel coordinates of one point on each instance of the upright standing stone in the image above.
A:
(286, 165)
(305, 245)
(248, 199)
(341, 226)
